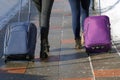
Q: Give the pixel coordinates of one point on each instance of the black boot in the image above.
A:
(31, 58)
(43, 52)
(44, 43)
(47, 45)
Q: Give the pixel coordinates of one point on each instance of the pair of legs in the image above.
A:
(44, 8)
(80, 10)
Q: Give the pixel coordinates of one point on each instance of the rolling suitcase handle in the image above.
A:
(99, 6)
(29, 12)
(19, 18)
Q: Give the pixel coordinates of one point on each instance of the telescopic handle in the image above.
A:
(20, 9)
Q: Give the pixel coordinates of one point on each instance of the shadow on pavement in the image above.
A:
(14, 76)
(65, 57)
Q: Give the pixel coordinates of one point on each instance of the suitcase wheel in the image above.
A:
(87, 51)
(6, 59)
(30, 58)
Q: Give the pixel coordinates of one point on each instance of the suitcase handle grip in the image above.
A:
(20, 9)
(29, 12)
(99, 7)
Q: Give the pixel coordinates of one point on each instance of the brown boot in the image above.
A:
(78, 43)
(82, 39)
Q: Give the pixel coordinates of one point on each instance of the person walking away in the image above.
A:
(78, 8)
(44, 8)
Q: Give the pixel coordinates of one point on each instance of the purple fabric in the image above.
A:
(97, 32)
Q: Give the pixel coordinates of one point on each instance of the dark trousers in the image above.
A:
(44, 8)
(78, 7)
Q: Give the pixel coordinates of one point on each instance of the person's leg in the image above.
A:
(38, 4)
(85, 13)
(44, 8)
(85, 6)
(93, 4)
(76, 11)
(44, 25)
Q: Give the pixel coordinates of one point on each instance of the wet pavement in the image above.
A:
(64, 62)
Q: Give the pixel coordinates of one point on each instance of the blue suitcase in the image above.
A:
(20, 43)
(20, 40)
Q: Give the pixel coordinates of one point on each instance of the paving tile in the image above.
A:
(16, 70)
(107, 73)
(67, 41)
(108, 78)
(49, 71)
(74, 70)
(77, 79)
(106, 61)
(55, 28)
(57, 10)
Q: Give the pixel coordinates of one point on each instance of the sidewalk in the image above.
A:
(64, 63)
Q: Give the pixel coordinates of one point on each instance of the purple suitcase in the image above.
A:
(97, 34)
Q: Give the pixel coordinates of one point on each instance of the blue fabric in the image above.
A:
(80, 10)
